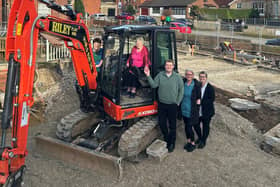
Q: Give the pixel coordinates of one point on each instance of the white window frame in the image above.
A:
(239, 5)
(157, 10)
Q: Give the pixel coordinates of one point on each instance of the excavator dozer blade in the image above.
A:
(98, 162)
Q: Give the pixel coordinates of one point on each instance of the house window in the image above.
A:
(239, 5)
(179, 11)
(156, 10)
(259, 6)
(255, 5)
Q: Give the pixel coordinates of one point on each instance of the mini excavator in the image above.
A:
(124, 124)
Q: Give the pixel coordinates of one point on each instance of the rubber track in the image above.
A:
(138, 137)
(66, 125)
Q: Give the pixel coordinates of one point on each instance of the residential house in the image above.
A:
(179, 8)
(110, 7)
(115, 7)
(268, 8)
(274, 9)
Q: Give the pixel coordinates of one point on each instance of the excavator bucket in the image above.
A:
(98, 162)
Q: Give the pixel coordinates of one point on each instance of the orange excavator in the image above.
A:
(124, 124)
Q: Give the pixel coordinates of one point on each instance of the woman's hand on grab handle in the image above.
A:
(147, 71)
(198, 102)
(127, 64)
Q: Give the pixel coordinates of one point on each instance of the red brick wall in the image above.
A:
(200, 3)
(92, 6)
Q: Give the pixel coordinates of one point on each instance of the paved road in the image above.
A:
(230, 35)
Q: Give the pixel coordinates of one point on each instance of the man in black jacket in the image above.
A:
(206, 111)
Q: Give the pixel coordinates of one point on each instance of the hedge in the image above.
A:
(224, 13)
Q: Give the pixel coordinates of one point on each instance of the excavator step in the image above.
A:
(98, 162)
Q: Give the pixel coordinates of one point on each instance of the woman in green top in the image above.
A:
(97, 54)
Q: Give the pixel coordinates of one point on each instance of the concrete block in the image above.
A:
(272, 138)
(243, 104)
(157, 150)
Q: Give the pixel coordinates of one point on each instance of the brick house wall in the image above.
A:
(91, 6)
(245, 4)
(202, 3)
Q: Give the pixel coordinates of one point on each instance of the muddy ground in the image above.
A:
(232, 156)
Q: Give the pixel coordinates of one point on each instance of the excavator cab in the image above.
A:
(118, 44)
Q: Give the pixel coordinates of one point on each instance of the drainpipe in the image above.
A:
(4, 13)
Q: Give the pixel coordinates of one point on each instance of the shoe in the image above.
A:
(201, 145)
(189, 147)
(186, 146)
(197, 142)
(171, 148)
(132, 95)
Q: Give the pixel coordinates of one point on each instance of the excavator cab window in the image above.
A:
(143, 90)
(165, 49)
(110, 71)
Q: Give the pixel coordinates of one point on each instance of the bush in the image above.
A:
(194, 11)
(254, 14)
(130, 10)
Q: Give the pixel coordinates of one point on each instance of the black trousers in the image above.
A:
(168, 112)
(189, 128)
(132, 80)
(203, 134)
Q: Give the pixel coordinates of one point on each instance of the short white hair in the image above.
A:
(140, 39)
(188, 70)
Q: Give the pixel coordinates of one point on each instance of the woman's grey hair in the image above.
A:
(188, 70)
(140, 39)
(203, 73)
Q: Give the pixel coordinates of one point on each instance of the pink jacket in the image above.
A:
(139, 59)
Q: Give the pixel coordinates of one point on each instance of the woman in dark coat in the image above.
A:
(190, 107)
(207, 110)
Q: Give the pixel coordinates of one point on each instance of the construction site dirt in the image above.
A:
(232, 156)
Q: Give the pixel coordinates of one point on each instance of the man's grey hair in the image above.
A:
(203, 73)
(188, 70)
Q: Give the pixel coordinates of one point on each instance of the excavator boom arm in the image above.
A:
(24, 26)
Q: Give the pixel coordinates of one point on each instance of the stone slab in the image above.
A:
(272, 138)
(243, 104)
(157, 150)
